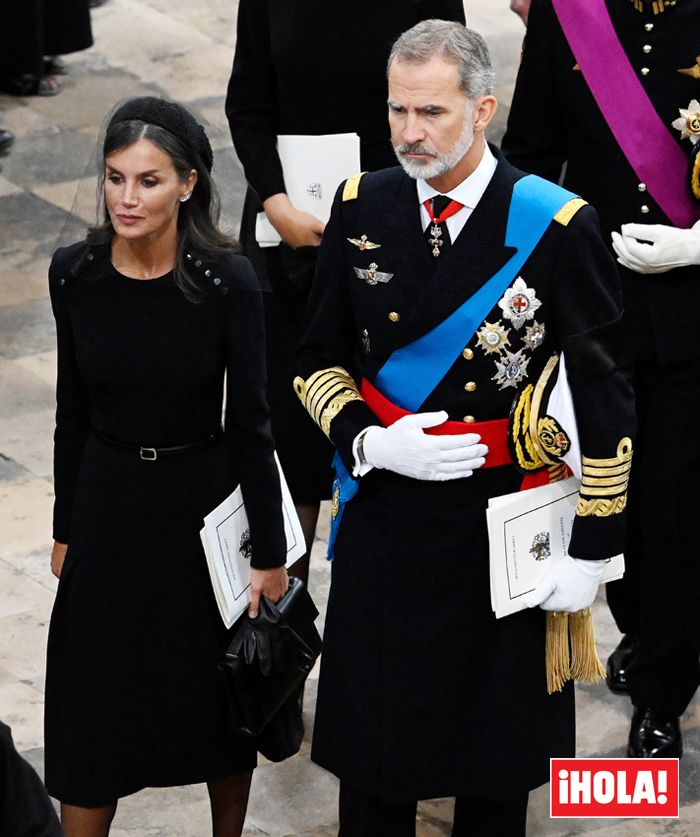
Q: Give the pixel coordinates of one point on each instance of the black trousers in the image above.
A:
(657, 598)
(362, 815)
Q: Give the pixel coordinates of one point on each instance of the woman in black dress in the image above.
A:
(151, 311)
(307, 67)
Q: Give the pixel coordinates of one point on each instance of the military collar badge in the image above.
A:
(694, 71)
(363, 244)
(519, 303)
(493, 338)
(511, 369)
(372, 275)
(688, 123)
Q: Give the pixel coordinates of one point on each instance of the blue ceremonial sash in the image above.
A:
(344, 489)
(412, 372)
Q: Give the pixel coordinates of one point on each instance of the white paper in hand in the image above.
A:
(226, 541)
(528, 531)
(313, 168)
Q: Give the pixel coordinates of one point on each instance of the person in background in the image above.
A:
(32, 37)
(25, 808)
(521, 8)
(423, 692)
(154, 309)
(306, 67)
(610, 88)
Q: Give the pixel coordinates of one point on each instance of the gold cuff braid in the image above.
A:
(604, 483)
(325, 393)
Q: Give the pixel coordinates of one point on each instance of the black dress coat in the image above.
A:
(553, 120)
(133, 692)
(310, 67)
(36, 28)
(423, 693)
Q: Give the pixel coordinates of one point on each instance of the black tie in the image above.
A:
(437, 235)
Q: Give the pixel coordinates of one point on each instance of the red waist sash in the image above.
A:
(494, 434)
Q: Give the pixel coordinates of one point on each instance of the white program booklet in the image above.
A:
(528, 531)
(226, 541)
(313, 167)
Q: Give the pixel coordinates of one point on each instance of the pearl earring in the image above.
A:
(186, 197)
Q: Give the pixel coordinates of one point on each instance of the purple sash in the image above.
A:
(642, 136)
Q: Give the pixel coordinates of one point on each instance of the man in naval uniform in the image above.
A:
(443, 289)
(611, 87)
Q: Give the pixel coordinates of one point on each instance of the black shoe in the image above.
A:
(6, 140)
(654, 734)
(618, 663)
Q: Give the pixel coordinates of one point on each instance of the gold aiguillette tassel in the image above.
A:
(557, 658)
(586, 666)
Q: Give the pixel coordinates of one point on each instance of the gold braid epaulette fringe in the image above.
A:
(657, 6)
(604, 483)
(570, 652)
(326, 393)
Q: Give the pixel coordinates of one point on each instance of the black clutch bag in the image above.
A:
(267, 662)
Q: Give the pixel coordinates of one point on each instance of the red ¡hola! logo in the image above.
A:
(613, 788)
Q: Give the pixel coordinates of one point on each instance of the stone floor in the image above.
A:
(182, 50)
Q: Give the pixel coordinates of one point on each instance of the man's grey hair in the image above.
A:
(452, 42)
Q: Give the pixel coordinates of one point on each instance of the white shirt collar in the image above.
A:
(470, 190)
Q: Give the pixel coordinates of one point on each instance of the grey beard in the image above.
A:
(441, 163)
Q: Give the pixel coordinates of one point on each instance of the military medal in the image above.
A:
(519, 303)
(534, 335)
(372, 275)
(492, 338)
(693, 71)
(363, 244)
(511, 369)
(436, 239)
(365, 341)
(688, 123)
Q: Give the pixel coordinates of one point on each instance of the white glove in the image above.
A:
(405, 449)
(571, 584)
(669, 247)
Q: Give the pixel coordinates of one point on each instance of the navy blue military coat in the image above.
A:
(423, 692)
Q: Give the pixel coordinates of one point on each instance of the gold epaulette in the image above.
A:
(604, 483)
(567, 212)
(325, 393)
(352, 186)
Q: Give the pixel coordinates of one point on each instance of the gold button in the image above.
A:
(645, 71)
(648, 26)
(642, 187)
(646, 49)
(645, 209)
(467, 354)
(469, 419)
(394, 317)
(470, 386)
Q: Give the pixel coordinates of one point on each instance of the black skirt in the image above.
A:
(133, 693)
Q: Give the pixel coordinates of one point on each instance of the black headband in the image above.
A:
(173, 118)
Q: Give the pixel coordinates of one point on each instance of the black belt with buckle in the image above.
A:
(151, 454)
